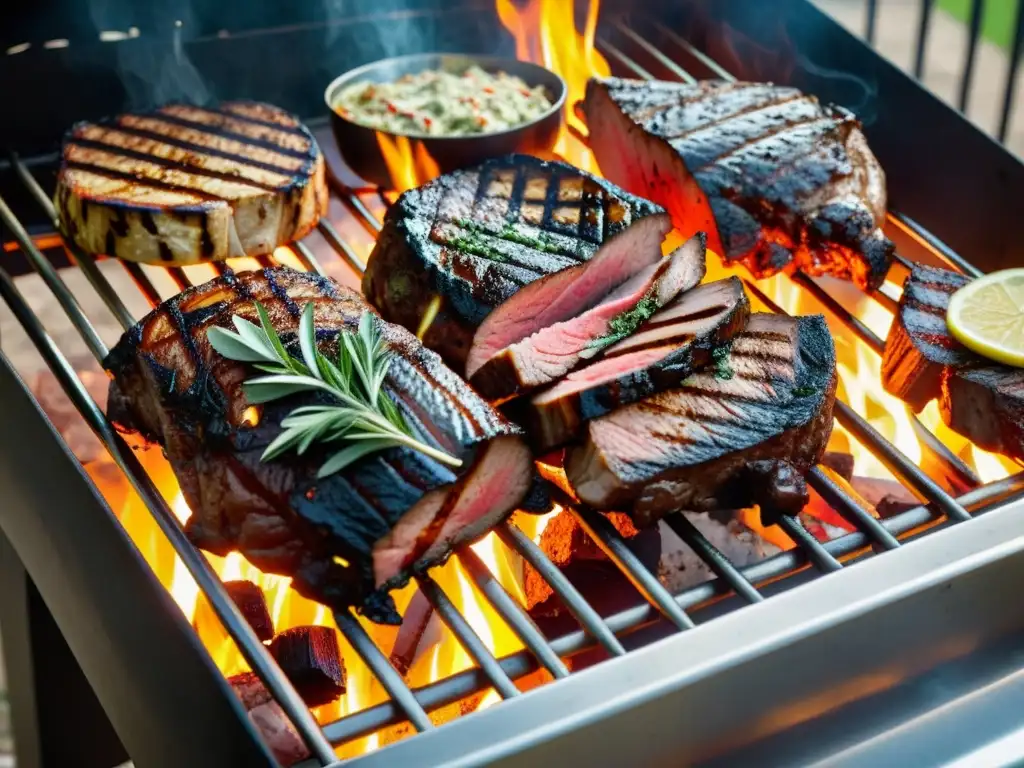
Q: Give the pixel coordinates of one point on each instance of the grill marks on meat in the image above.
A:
(661, 354)
(346, 539)
(743, 431)
(919, 346)
(549, 354)
(980, 399)
(187, 184)
(779, 181)
(511, 246)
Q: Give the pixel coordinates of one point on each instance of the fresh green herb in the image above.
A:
(721, 357)
(804, 391)
(364, 419)
(478, 247)
(624, 324)
(542, 242)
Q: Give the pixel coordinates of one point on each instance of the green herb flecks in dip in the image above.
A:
(439, 103)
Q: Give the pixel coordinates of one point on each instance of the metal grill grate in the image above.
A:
(632, 55)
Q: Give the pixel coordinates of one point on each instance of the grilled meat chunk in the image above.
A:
(919, 346)
(674, 343)
(345, 539)
(507, 248)
(549, 354)
(984, 402)
(779, 181)
(187, 184)
(742, 432)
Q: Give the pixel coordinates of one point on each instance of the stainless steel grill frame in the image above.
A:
(227, 735)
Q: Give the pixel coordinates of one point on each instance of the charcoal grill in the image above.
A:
(825, 668)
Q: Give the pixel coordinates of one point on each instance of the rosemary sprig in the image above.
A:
(363, 419)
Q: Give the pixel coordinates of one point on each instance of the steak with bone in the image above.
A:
(674, 343)
(549, 354)
(742, 432)
(506, 248)
(184, 184)
(779, 181)
(345, 539)
(980, 399)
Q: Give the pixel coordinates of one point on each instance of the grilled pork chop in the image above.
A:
(779, 181)
(919, 346)
(186, 184)
(549, 354)
(980, 399)
(664, 351)
(345, 539)
(739, 433)
(509, 247)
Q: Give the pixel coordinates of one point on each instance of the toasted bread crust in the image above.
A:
(185, 184)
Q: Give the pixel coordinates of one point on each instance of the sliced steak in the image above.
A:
(509, 247)
(919, 346)
(779, 181)
(984, 402)
(742, 432)
(549, 354)
(345, 539)
(662, 353)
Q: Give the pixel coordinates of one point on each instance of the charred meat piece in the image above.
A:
(919, 346)
(507, 248)
(311, 659)
(549, 354)
(269, 719)
(186, 184)
(345, 539)
(674, 343)
(251, 602)
(779, 181)
(984, 402)
(739, 433)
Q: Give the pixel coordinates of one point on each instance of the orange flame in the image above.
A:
(409, 164)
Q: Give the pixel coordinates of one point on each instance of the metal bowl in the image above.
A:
(361, 151)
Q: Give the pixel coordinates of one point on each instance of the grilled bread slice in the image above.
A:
(186, 184)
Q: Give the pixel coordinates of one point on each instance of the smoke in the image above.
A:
(855, 93)
(154, 67)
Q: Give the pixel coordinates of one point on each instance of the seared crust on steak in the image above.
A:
(184, 184)
(345, 539)
(476, 237)
(779, 181)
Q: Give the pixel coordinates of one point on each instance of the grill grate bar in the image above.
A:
(353, 203)
(512, 613)
(382, 669)
(615, 52)
(341, 247)
(951, 257)
(143, 283)
(577, 605)
(657, 55)
(467, 637)
(820, 557)
(840, 501)
(307, 259)
(612, 544)
(707, 552)
(227, 612)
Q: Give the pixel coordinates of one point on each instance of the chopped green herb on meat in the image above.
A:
(438, 103)
(542, 242)
(625, 323)
(720, 355)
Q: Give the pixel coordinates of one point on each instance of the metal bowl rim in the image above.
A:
(484, 61)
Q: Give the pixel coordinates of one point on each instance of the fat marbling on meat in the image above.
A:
(346, 539)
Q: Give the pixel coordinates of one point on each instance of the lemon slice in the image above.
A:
(987, 316)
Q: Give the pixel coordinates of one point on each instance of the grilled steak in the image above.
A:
(984, 402)
(183, 184)
(549, 354)
(509, 247)
(350, 537)
(740, 433)
(779, 181)
(664, 351)
(919, 346)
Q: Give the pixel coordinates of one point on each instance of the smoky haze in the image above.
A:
(154, 68)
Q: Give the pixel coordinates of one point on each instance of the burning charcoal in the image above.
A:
(840, 463)
(311, 659)
(253, 605)
(583, 562)
(269, 719)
